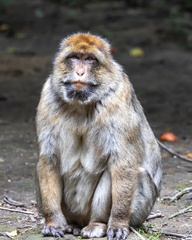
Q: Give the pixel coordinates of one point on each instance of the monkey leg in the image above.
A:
(101, 206)
(144, 199)
(124, 181)
(50, 187)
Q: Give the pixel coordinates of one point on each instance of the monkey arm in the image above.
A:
(50, 187)
(124, 172)
(51, 196)
(124, 182)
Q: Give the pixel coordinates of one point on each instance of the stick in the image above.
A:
(27, 226)
(173, 234)
(5, 235)
(16, 210)
(152, 216)
(137, 233)
(12, 202)
(178, 195)
(185, 210)
(174, 153)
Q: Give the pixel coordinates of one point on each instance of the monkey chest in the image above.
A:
(88, 149)
(82, 166)
(82, 155)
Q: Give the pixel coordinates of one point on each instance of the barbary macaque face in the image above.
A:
(80, 71)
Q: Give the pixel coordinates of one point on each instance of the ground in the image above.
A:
(29, 37)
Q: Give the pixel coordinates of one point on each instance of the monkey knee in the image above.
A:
(138, 218)
(141, 210)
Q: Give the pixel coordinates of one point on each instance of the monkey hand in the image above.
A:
(59, 232)
(51, 231)
(119, 233)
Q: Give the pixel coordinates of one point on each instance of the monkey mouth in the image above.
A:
(80, 84)
(79, 90)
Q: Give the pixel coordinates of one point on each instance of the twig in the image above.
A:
(4, 234)
(185, 210)
(137, 233)
(173, 234)
(12, 202)
(27, 226)
(178, 195)
(16, 210)
(155, 215)
(173, 152)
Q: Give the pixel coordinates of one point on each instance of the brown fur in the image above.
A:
(99, 168)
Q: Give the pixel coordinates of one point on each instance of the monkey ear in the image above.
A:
(113, 50)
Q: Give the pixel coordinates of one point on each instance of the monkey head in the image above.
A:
(84, 69)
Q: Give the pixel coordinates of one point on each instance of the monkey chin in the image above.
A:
(81, 92)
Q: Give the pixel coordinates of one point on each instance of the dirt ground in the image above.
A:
(29, 36)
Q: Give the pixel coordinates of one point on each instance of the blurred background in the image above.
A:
(152, 39)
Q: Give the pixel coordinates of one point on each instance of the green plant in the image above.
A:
(149, 233)
(178, 25)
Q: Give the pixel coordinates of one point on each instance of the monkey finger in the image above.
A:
(46, 231)
(68, 229)
(118, 234)
(56, 232)
(51, 231)
(110, 234)
(125, 233)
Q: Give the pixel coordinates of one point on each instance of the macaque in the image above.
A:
(99, 168)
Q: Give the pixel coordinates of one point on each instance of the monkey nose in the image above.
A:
(80, 73)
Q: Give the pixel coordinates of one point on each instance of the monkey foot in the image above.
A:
(58, 232)
(118, 234)
(76, 231)
(94, 230)
(51, 231)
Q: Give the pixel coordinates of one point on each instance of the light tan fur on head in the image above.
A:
(85, 43)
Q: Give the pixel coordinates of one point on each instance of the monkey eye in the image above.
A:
(90, 59)
(74, 58)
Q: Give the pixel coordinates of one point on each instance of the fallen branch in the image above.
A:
(27, 226)
(173, 152)
(16, 210)
(4, 234)
(178, 195)
(154, 215)
(173, 234)
(12, 202)
(137, 233)
(185, 210)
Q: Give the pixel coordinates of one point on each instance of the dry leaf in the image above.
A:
(188, 155)
(14, 233)
(4, 27)
(136, 52)
(113, 49)
(168, 136)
